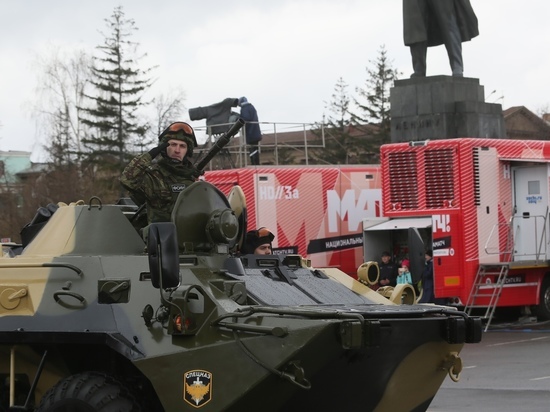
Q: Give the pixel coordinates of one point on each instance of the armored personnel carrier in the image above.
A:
(95, 318)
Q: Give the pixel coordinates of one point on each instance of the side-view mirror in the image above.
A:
(162, 248)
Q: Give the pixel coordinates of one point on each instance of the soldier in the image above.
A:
(258, 242)
(157, 177)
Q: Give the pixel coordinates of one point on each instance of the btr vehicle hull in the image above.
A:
(94, 317)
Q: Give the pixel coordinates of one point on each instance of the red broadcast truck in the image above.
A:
(315, 211)
(482, 206)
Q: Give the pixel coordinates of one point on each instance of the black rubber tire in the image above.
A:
(543, 309)
(88, 392)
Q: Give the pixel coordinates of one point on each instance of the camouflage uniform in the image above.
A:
(157, 183)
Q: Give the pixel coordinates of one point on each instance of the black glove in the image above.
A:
(155, 151)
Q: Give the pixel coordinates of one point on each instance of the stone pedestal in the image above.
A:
(442, 107)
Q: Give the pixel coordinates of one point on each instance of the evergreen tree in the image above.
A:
(119, 85)
(338, 142)
(374, 102)
(285, 155)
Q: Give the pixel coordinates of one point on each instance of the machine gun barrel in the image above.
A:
(222, 141)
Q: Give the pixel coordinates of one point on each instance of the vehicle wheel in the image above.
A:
(543, 309)
(88, 392)
(508, 313)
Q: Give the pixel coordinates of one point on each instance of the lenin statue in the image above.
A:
(429, 23)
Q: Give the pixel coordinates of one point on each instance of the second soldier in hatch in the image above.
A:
(157, 177)
(258, 242)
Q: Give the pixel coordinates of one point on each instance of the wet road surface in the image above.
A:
(509, 371)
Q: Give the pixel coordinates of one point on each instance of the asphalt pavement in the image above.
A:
(508, 371)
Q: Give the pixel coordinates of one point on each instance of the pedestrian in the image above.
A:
(258, 242)
(156, 178)
(388, 270)
(404, 276)
(429, 23)
(427, 279)
(252, 130)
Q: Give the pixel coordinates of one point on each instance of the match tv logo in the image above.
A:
(351, 207)
(441, 223)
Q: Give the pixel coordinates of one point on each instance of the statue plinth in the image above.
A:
(442, 107)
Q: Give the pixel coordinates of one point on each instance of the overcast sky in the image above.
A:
(285, 56)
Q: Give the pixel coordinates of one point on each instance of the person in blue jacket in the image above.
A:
(428, 295)
(252, 130)
(404, 276)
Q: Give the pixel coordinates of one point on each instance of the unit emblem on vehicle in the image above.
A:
(197, 387)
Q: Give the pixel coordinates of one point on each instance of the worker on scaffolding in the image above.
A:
(252, 131)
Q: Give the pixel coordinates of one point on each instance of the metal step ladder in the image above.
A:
(482, 288)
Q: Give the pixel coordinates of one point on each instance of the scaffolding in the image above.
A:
(298, 137)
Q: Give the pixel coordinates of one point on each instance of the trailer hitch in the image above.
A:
(453, 365)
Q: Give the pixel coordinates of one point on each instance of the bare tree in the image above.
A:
(63, 79)
(542, 111)
(62, 82)
(169, 108)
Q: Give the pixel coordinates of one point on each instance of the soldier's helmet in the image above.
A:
(255, 238)
(180, 131)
